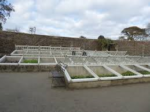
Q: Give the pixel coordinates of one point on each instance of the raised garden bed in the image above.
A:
(144, 72)
(81, 76)
(47, 60)
(146, 66)
(90, 60)
(77, 59)
(78, 72)
(64, 60)
(30, 61)
(45, 53)
(106, 75)
(33, 53)
(128, 73)
(19, 52)
(56, 53)
(9, 59)
(122, 71)
(101, 71)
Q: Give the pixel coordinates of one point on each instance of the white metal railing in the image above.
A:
(22, 47)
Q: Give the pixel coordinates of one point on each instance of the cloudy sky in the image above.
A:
(74, 18)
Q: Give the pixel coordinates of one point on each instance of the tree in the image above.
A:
(121, 38)
(1, 27)
(101, 37)
(32, 30)
(148, 29)
(135, 33)
(5, 10)
(82, 37)
(104, 43)
(130, 38)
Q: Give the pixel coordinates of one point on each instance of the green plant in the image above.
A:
(81, 76)
(127, 73)
(103, 43)
(1, 27)
(5, 10)
(30, 61)
(106, 75)
(144, 72)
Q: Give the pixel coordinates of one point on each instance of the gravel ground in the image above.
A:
(32, 92)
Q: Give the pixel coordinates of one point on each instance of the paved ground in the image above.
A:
(32, 92)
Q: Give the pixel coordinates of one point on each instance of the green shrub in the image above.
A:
(144, 72)
(30, 61)
(81, 76)
(128, 73)
(106, 75)
(103, 43)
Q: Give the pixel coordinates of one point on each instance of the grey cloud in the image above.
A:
(79, 17)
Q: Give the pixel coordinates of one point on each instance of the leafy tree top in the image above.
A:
(1, 27)
(82, 37)
(101, 37)
(134, 32)
(5, 10)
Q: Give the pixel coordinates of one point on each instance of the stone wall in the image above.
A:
(9, 39)
(134, 47)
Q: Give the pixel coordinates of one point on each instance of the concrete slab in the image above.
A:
(32, 92)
